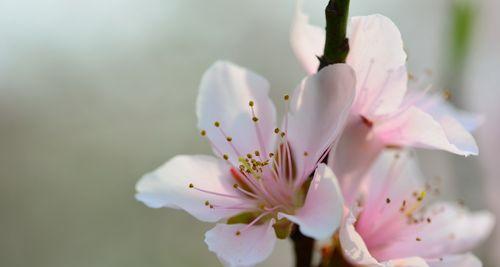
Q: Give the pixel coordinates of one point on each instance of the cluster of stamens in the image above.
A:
(261, 177)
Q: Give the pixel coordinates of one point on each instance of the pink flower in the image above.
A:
(383, 114)
(394, 223)
(256, 182)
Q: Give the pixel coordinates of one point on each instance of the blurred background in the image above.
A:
(95, 93)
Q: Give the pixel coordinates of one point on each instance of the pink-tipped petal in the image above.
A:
(307, 41)
(322, 212)
(377, 56)
(169, 186)
(414, 127)
(464, 260)
(318, 112)
(225, 92)
(237, 245)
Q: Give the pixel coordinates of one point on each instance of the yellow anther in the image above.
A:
(191, 185)
(286, 97)
(225, 156)
(257, 153)
(235, 186)
(203, 133)
(282, 134)
(216, 124)
(238, 233)
(207, 203)
(229, 138)
(422, 196)
(255, 119)
(251, 103)
(277, 130)
(417, 204)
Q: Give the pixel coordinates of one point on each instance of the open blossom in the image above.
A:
(395, 224)
(383, 114)
(257, 181)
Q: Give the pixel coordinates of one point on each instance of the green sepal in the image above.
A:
(283, 228)
(244, 217)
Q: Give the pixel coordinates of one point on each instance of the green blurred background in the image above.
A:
(95, 93)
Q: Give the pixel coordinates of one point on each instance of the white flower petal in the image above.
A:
(353, 246)
(307, 41)
(169, 186)
(438, 107)
(464, 260)
(406, 262)
(318, 112)
(225, 93)
(253, 245)
(413, 127)
(322, 212)
(377, 56)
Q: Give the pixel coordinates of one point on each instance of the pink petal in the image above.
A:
(457, 229)
(318, 112)
(353, 156)
(464, 260)
(169, 186)
(413, 127)
(377, 56)
(357, 253)
(253, 245)
(320, 216)
(307, 41)
(224, 96)
(452, 230)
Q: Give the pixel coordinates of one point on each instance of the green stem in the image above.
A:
(336, 43)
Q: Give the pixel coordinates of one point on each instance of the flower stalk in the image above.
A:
(336, 43)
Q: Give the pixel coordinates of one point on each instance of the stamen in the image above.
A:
(236, 186)
(239, 232)
(212, 192)
(258, 132)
